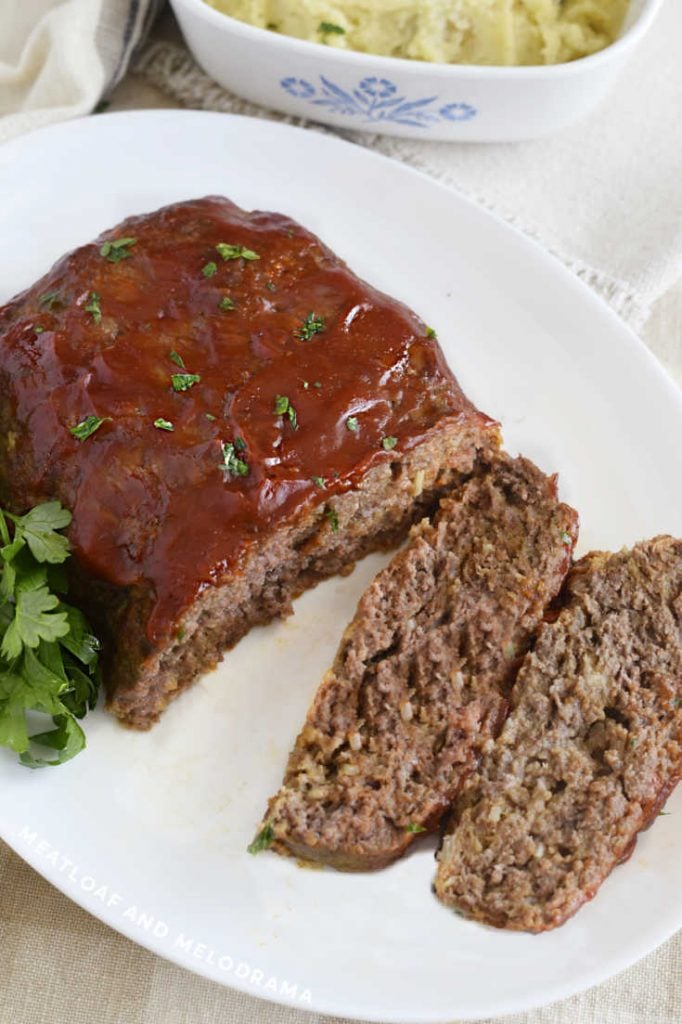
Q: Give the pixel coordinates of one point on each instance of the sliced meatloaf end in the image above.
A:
(318, 543)
(589, 753)
(423, 672)
(231, 415)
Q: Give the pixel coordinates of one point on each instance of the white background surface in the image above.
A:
(163, 819)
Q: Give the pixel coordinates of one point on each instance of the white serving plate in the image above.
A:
(149, 831)
(452, 102)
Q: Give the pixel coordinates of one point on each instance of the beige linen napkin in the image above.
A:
(59, 57)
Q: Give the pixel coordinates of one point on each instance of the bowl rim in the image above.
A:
(625, 42)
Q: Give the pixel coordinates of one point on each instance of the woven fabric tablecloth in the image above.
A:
(61, 966)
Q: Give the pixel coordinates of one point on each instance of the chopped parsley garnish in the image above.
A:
(162, 424)
(353, 424)
(38, 329)
(50, 299)
(327, 28)
(87, 427)
(177, 359)
(235, 252)
(389, 443)
(413, 828)
(226, 303)
(262, 840)
(333, 518)
(311, 325)
(565, 539)
(209, 269)
(48, 655)
(117, 249)
(283, 407)
(232, 464)
(180, 635)
(240, 444)
(318, 481)
(209, 416)
(184, 381)
(430, 333)
(93, 307)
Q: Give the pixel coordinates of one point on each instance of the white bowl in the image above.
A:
(391, 96)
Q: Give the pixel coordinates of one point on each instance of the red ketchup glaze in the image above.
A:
(159, 507)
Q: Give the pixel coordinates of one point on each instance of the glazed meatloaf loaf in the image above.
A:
(589, 753)
(423, 673)
(231, 415)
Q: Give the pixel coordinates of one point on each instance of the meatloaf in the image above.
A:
(422, 676)
(589, 753)
(231, 415)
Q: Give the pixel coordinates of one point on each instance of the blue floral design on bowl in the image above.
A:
(375, 100)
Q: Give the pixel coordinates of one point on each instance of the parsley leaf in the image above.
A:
(333, 517)
(177, 359)
(235, 252)
(38, 529)
(232, 464)
(93, 307)
(88, 426)
(117, 249)
(283, 407)
(184, 381)
(388, 443)
(318, 481)
(50, 300)
(263, 840)
(162, 424)
(413, 828)
(226, 303)
(326, 28)
(209, 269)
(311, 325)
(352, 424)
(430, 333)
(35, 618)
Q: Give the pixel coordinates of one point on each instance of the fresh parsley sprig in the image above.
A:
(48, 654)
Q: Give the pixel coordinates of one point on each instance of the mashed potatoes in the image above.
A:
(444, 31)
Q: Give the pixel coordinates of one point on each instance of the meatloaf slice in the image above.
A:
(231, 415)
(423, 672)
(589, 753)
